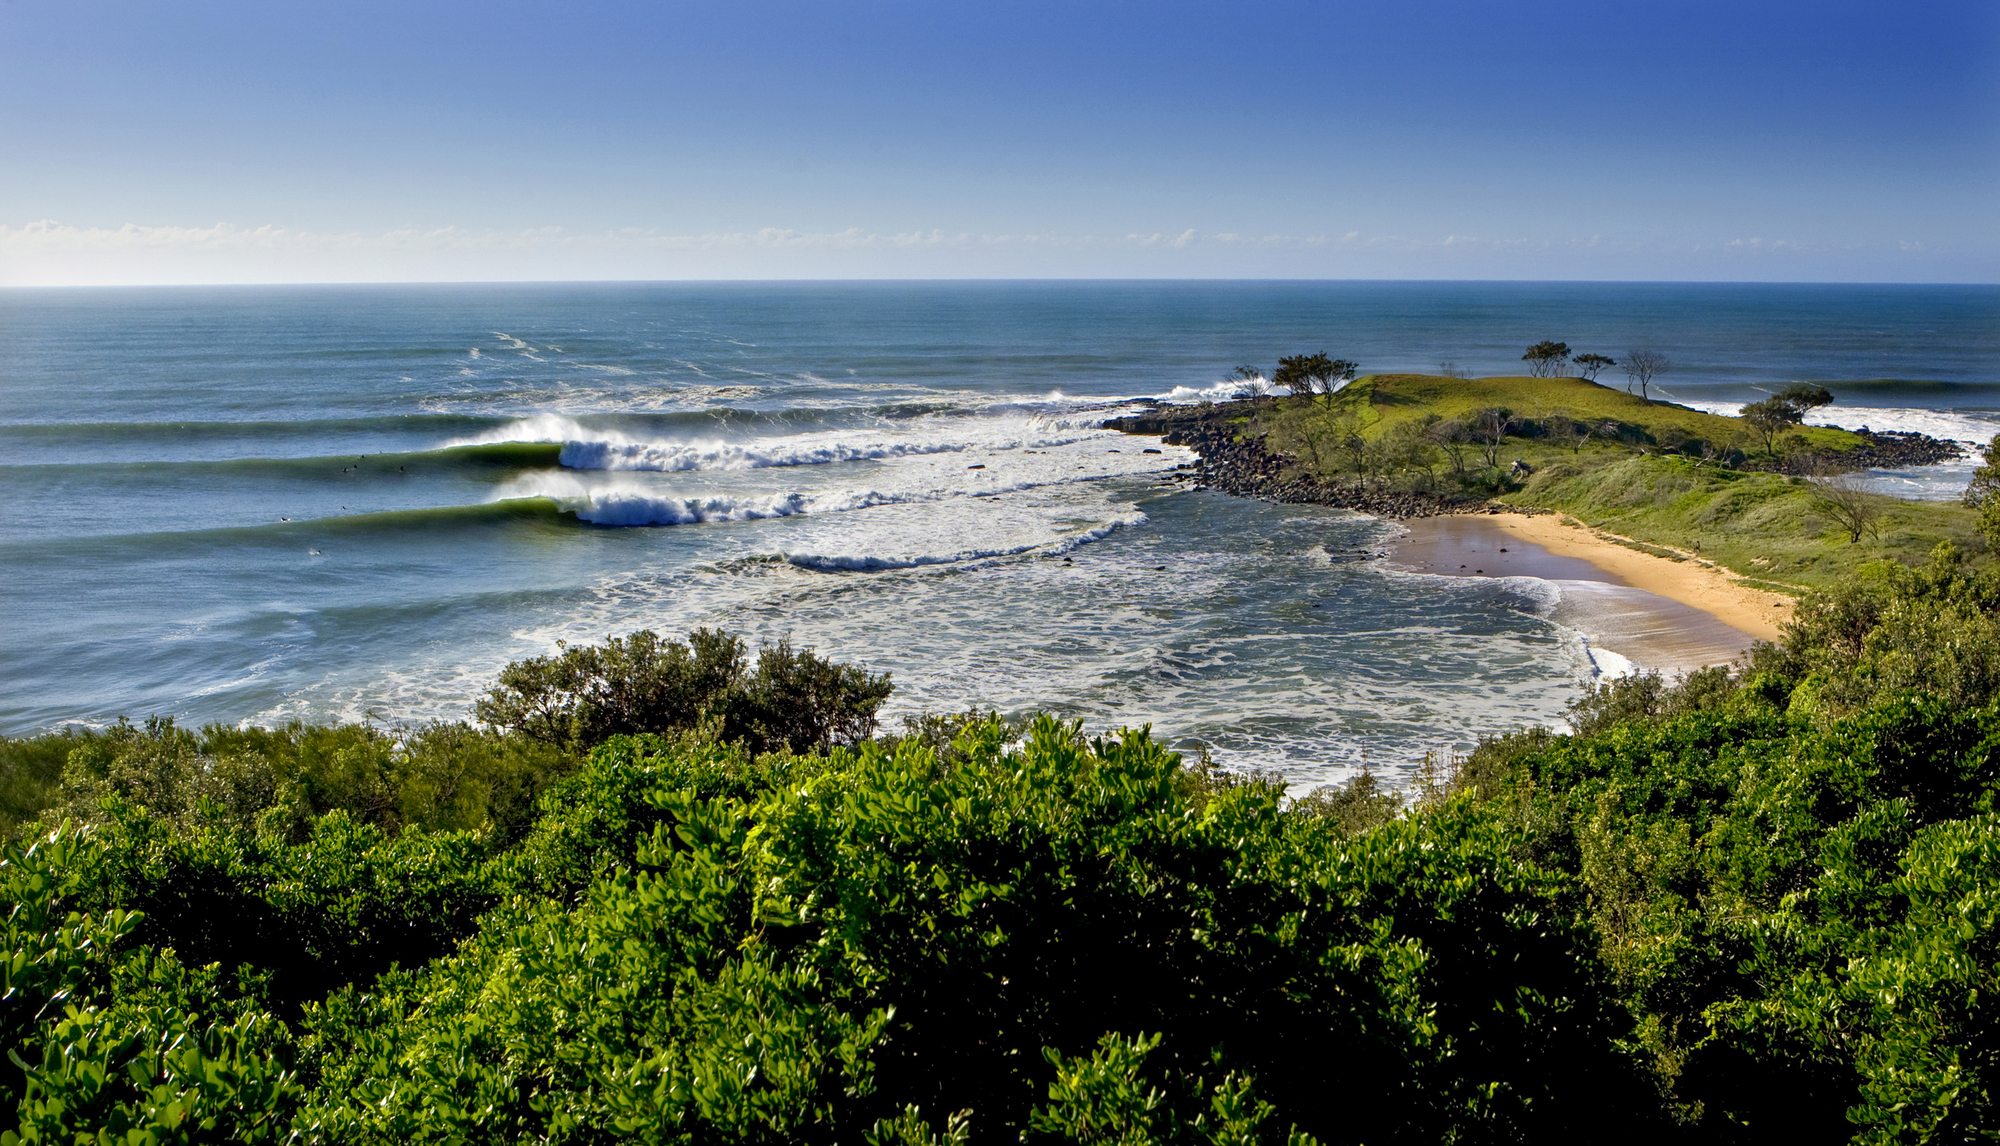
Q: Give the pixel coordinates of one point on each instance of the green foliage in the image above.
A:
(1592, 364)
(1108, 1098)
(1933, 629)
(1356, 805)
(699, 944)
(583, 696)
(1546, 358)
(438, 777)
(1794, 872)
(1314, 374)
(31, 770)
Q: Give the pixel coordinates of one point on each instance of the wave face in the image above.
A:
(362, 502)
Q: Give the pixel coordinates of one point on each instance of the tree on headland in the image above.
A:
(1769, 418)
(1783, 410)
(1453, 437)
(1804, 397)
(1314, 374)
(1590, 364)
(1546, 358)
(1641, 367)
(1252, 382)
(1291, 373)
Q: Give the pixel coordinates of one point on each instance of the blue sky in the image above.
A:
(232, 142)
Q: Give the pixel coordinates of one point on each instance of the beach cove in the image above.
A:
(1653, 611)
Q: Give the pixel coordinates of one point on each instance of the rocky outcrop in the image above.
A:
(1236, 461)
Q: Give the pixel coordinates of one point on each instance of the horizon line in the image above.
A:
(970, 279)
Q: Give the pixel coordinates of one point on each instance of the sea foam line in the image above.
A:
(584, 448)
(1892, 419)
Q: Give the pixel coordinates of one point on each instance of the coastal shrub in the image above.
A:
(31, 771)
(1748, 874)
(583, 696)
(1933, 628)
(441, 777)
(1354, 805)
(699, 944)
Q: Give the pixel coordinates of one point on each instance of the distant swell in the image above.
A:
(498, 456)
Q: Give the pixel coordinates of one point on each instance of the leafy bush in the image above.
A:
(437, 777)
(583, 696)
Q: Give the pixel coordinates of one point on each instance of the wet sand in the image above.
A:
(1654, 612)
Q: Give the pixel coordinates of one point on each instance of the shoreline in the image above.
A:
(1644, 610)
(1634, 611)
(1691, 581)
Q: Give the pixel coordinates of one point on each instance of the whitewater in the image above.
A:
(359, 503)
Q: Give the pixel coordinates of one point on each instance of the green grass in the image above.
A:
(1768, 527)
(1379, 401)
(1764, 526)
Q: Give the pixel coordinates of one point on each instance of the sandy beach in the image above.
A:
(1653, 611)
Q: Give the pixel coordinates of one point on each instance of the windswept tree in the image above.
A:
(1783, 410)
(1804, 397)
(1409, 448)
(1641, 367)
(1546, 359)
(1590, 364)
(1315, 374)
(1770, 418)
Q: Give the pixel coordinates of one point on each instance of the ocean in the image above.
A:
(260, 504)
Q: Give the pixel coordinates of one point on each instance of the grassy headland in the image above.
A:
(1766, 504)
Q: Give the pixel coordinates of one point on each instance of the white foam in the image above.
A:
(900, 540)
(587, 448)
(803, 450)
(615, 504)
(1609, 665)
(1945, 424)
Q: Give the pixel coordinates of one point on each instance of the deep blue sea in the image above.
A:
(265, 503)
